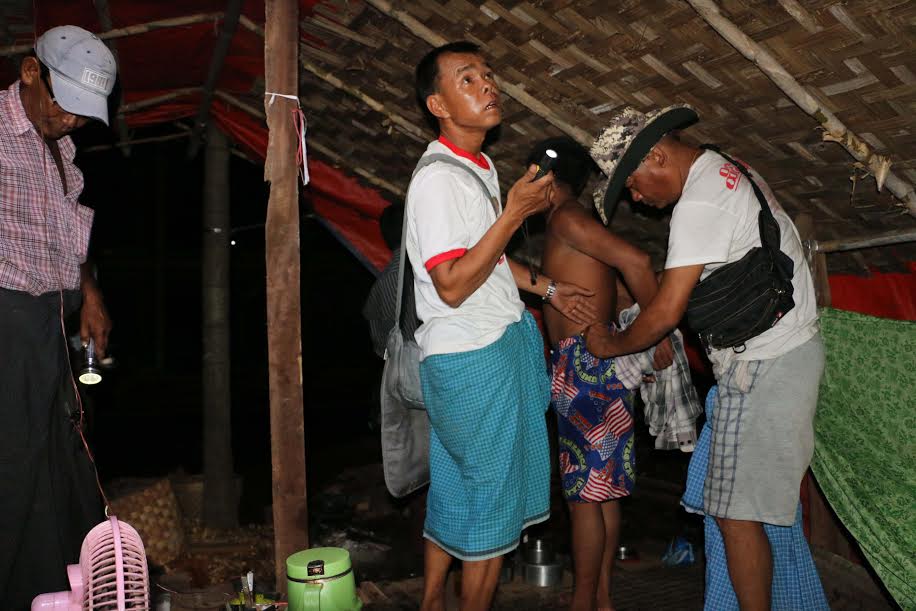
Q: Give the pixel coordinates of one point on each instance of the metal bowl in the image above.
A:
(543, 575)
(538, 551)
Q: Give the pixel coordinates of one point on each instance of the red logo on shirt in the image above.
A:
(732, 176)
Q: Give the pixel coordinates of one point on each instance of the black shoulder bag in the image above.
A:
(743, 299)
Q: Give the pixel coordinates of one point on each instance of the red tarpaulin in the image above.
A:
(885, 295)
(162, 60)
(348, 209)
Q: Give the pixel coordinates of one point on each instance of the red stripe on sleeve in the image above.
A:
(445, 256)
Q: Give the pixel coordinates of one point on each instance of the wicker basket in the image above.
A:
(150, 506)
(189, 490)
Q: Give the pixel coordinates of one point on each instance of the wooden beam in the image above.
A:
(131, 30)
(284, 320)
(515, 91)
(365, 174)
(897, 236)
(251, 25)
(101, 9)
(159, 99)
(135, 141)
(342, 31)
(408, 126)
(240, 104)
(835, 130)
(230, 24)
(316, 145)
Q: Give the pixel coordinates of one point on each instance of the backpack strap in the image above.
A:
(427, 160)
(766, 222)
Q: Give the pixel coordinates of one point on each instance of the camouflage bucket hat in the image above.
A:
(624, 144)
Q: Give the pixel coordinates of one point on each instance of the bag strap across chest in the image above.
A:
(770, 234)
(424, 162)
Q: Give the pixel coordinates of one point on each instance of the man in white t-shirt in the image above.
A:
(762, 440)
(483, 374)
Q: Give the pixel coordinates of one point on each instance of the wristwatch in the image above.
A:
(551, 291)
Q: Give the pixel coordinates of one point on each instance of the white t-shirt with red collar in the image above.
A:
(447, 214)
(714, 223)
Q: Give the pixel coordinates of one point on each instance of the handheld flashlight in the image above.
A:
(546, 163)
(90, 373)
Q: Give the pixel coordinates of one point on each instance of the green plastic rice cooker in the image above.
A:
(321, 579)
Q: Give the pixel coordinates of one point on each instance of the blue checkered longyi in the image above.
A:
(796, 583)
(488, 454)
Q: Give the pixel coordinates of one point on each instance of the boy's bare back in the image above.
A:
(565, 261)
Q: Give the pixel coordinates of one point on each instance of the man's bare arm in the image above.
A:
(585, 234)
(457, 279)
(654, 322)
(94, 320)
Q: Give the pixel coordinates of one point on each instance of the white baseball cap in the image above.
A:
(83, 70)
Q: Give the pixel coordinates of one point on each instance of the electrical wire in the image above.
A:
(78, 425)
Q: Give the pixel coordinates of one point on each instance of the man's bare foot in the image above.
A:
(603, 603)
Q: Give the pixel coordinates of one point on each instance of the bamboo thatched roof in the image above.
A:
(584, 60)
(569, 65)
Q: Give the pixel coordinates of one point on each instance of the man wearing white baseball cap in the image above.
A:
(82, 70)
(48, 499)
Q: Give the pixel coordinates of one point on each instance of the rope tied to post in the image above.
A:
(300, 125)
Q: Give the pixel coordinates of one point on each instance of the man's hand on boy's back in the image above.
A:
(526, 197)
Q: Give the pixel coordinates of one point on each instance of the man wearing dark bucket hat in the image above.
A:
(48, 499)
(762, 427)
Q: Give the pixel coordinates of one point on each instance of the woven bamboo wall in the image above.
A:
(587, 59)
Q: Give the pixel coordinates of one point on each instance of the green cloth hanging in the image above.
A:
(865, 440)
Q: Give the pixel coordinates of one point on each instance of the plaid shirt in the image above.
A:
(671, 402)
(44, 234)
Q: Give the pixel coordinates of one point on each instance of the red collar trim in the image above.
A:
(480, 161)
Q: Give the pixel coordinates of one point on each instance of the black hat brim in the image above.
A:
(676, 118)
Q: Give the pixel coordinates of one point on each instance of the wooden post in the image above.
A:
(822, 527)
(817, 261)
(230, 23)
(220, 509)
(284, 324)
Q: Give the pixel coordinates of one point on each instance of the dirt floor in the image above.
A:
(383, 536)
(350, 507)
